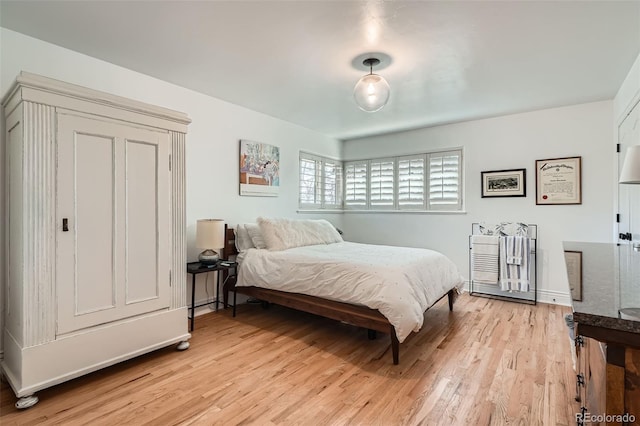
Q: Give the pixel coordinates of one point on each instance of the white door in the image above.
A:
(629, 195)
(113, 221)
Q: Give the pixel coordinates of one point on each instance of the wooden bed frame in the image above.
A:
(357, 315)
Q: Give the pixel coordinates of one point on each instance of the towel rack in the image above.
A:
(494, 291)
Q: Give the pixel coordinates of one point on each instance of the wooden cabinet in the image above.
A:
(608, 342)
(95, 231)
(591, 375)
(608, 380)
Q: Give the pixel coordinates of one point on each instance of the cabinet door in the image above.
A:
(596, 377)
(113, 195)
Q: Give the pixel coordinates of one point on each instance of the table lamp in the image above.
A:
(210, 237)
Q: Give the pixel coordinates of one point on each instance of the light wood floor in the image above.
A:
(488, 362)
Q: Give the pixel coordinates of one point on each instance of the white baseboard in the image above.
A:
(204, 310)
(211, 307)
(552, 297)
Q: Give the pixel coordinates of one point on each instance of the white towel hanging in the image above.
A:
(485, 258)
(515, 276)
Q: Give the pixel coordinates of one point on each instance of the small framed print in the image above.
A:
(504, 183)
(573, 260)
(559, 181)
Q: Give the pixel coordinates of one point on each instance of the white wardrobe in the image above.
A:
(95, 231)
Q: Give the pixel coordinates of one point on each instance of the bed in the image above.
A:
(305, 265)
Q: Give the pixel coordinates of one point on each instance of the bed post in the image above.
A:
(451, 295)
(228, 251)
(395, 347)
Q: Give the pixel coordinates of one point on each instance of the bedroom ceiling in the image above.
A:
(449, 60)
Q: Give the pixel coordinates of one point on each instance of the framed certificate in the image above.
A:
(559, 181)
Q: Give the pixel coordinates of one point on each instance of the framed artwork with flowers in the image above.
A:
(259, 169)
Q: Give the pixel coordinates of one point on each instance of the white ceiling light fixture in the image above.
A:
(372, 91)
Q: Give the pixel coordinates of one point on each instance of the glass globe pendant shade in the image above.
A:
(371, 93)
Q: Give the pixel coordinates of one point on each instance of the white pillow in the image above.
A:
(256, 235)
(281, 234)
(243, 240)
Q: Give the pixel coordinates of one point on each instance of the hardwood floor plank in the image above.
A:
(487, 362)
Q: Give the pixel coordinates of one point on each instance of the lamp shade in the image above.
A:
(210, 234)
(631, 167)
(371, 92)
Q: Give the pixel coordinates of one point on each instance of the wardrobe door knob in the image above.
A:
(65, 224)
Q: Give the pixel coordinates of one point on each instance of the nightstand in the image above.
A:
(195, 268)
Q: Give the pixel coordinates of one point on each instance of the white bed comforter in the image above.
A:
(400, 282)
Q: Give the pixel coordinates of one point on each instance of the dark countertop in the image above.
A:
(610, 282)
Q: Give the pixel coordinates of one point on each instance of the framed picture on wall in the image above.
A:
(504, 183)
(573, 261)
(259, 169)
(559, 181)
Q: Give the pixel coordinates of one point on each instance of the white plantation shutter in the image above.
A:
(355, 188)
(320, 182)
(445, 177)
(310, 176)
(332, 184)
(381, 183)
(411, 182)
(424, 182)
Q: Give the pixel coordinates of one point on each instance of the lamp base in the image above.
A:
(208, 257)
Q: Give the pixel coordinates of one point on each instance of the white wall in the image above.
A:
(3, 256)
(507, 142)
(628, 93)
(212, 140)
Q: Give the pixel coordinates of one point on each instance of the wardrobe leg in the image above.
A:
(26, 402)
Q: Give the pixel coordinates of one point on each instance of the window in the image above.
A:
(355, 190)
(320, 182)
(430, 181)
(332, 184)
(445, 181)
(423, 182)
(309, 182)
(411, 182)
(381, 183)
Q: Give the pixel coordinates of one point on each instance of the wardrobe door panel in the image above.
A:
(145, 246)
(113, 260)
(94, 222)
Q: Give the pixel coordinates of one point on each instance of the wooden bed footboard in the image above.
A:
(357, 315)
